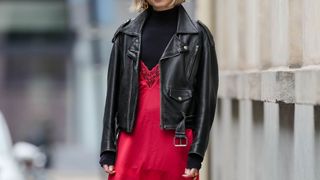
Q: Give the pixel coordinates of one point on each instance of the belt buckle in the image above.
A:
(180, 144)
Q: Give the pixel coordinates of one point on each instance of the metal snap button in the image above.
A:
(185, 47)
(180, 98)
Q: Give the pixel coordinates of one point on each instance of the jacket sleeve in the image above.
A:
(207, 80)
(109, 132)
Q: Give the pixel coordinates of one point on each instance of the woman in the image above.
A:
(167, 64)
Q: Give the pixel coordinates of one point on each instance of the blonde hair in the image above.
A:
(140, 5)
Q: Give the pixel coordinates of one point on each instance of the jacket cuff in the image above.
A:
(107, 146)
(107, 157)
(194, 161)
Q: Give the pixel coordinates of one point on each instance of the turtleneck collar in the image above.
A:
(164, 15)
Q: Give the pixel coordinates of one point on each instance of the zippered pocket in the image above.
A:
(191, 64)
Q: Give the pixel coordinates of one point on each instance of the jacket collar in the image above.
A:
(185, 24)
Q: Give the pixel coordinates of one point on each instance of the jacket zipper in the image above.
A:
(162, 126)
(129, 102)
(160, 79)
(137, 92)
(192, 63)
(161, 121)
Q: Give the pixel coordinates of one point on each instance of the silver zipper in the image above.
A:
(161, 59)
(161, 121)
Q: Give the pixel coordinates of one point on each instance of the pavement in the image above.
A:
(60, 175)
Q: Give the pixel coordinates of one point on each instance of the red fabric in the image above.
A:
(148, 153)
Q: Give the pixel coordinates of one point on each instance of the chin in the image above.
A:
(160, 4)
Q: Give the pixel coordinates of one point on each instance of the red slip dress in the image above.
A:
(148, 152)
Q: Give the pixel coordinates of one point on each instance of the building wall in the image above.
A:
(267, 121)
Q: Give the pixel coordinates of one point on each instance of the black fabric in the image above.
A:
(108, 157)
(157, 31)
(194, 161)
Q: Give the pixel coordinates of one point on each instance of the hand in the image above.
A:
(109, 169)
(193, 173)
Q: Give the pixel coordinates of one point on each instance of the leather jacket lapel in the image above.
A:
(175, 45)
(172, 48)
(133, 49)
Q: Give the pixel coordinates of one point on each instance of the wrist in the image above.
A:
(107, 157)
(194, 161)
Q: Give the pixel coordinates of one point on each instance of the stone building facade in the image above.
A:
(267, 124)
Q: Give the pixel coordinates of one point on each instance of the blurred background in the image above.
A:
(53, 64)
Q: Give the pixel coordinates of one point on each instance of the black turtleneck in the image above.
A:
(157, 31)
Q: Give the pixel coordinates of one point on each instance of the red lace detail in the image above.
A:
(149, 75)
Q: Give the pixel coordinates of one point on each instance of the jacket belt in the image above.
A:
(180, 133)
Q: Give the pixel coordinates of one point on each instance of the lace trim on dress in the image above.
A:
(149, 75)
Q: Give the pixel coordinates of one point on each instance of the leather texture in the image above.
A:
(188, 75)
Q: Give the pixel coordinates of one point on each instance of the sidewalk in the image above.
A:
(59, 175)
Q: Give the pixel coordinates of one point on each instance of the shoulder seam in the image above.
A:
(207, 31)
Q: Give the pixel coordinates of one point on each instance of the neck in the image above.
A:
(163, 8)
(165, 14)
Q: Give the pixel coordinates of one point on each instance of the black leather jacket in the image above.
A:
(188, 82)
